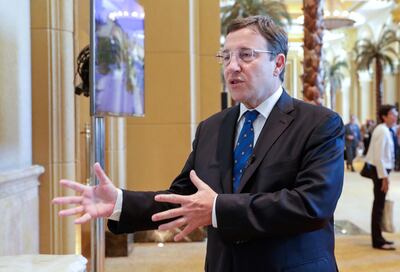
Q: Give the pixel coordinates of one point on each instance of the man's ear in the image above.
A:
(280, 64)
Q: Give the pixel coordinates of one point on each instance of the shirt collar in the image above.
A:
(265, 107)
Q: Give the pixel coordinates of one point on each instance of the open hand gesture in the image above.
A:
(194, 211)
(93, 202)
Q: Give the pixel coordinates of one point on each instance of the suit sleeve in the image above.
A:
(138, 207)
(307, 206)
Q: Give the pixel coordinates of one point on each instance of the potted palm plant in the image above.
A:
(380, 53)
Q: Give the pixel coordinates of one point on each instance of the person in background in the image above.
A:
(381, 156)
(352, 139)
(366, 132)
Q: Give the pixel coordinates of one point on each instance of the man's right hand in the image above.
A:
(93, 202)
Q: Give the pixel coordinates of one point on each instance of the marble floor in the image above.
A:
(355, 203)
(353, 248)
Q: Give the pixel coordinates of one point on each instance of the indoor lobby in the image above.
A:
(47, 131)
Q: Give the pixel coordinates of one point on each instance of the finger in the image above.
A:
(167, 214)
(197, 181)
(185, 232)
(67, 200)
(72, 211)
(73, 185)
(100, 174)
(173, 224)
(83, 219)
(171, 198)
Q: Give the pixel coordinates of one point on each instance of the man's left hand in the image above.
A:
(194, 211)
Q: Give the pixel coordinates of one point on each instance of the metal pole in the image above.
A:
(97, 154)
(97, 225)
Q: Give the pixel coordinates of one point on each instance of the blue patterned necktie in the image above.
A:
(244, 148)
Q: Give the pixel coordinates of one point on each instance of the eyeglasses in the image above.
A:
(244, 54)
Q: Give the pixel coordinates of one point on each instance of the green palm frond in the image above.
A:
(388, 61)
(387, 39)
(367, 51)
(278, 13)
(334, 72)
(244, 8)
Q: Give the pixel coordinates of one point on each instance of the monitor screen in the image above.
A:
(118, 71)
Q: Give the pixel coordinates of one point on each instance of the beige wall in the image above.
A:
(390, 87)
(159, 143)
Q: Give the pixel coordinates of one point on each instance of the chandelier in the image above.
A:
(339, 19)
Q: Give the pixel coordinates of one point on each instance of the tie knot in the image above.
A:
(250, 116)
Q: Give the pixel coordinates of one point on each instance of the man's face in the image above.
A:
(391, 118)
(250, 82)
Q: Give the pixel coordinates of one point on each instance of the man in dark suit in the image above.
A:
(264, 176)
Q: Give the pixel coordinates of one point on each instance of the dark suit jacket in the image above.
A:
(282, 217)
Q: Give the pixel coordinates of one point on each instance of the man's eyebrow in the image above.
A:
(240, 48)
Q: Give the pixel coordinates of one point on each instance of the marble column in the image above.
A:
(367, 98)
(19, 199)
(389, 88)
(53, 116)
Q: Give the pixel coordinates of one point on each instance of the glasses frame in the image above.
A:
(219, 55)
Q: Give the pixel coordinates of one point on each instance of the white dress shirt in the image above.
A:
(264, 109)
(381, 150)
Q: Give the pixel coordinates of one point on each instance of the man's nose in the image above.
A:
(234, 63)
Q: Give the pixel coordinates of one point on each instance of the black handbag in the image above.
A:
(368, 171)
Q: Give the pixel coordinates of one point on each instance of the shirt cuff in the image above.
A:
(214, 214)
(117, 208)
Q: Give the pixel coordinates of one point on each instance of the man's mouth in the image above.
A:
(235, 81)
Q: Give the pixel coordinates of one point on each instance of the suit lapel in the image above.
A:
(275, 125)
(225, 148)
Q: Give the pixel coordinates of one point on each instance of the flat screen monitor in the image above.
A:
(118, 66)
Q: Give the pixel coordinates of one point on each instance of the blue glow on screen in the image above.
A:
(119, 60)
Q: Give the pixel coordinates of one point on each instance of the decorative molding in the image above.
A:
(16, 181)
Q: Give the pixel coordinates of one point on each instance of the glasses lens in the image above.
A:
(246, 54)
(224, 57)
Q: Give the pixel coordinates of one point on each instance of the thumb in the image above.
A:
(99, 172)
(197, 181)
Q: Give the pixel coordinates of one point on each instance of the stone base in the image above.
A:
(19, 202)
(43, 263)
(118, 245)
